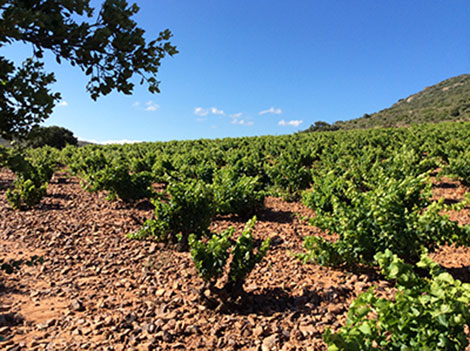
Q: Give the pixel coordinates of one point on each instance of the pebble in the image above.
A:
(269, 342)
(77, 305)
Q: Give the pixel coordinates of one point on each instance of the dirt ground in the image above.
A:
(98, 290)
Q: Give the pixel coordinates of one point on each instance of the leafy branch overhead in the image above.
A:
(108, 46)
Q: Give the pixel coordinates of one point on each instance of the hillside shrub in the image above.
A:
(460, 167)
(26, 193)
(120, 183)
(288, 177)
(84, 162)
(237, 194)
(425, 313)
(397, 214)
(185, 208)
(211, 257)
(30, 185)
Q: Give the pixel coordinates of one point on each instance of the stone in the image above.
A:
(269, 343)
(152, 248)
(77, 305)
(258, 331)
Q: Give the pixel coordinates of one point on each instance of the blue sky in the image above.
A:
(257, 67)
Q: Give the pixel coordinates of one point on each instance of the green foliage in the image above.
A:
(119, 182)
(162, 168)
(288, 176)
(25, 98)
(425, 314)
(84, 162)
(108, 46)
(407, 162)
(31, 180)
(45, 160)
(327, 188)
(188, 207)
(460, 167)
(363, 182)
(211, 257)
(3, 156)
(395, 214)
(142, 163)
(244, 258)
(237, 194)
(25, 193)
(53, 136)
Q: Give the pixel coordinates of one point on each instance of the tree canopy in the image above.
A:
(54, 136)
(108, 46)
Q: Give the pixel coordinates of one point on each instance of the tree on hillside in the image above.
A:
(321, 126)
(109, 47)
(54, 136)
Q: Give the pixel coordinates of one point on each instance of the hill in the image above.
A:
(448, 100)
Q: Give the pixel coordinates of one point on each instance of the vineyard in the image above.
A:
(346, 240)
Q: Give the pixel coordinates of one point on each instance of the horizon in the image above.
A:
(251, 69)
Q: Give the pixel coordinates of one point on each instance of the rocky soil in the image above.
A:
(98, 290)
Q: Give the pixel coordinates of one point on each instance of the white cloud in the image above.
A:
(242, 122)
(215, 111)
(201, 111)
(63, 103)
(293, 123)
(236, 115)
(276, 111)
(151, 106)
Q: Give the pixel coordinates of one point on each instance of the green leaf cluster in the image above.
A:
(425, 314)
(288, 175)
(185, 208)
(237, 194)
(211, 257)
(32, 177)
(459, 166)
(119, 182)
(244, 259)
(375, 203)
(396, 214)
(84, 162)
(25, 99)
(25, 193)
